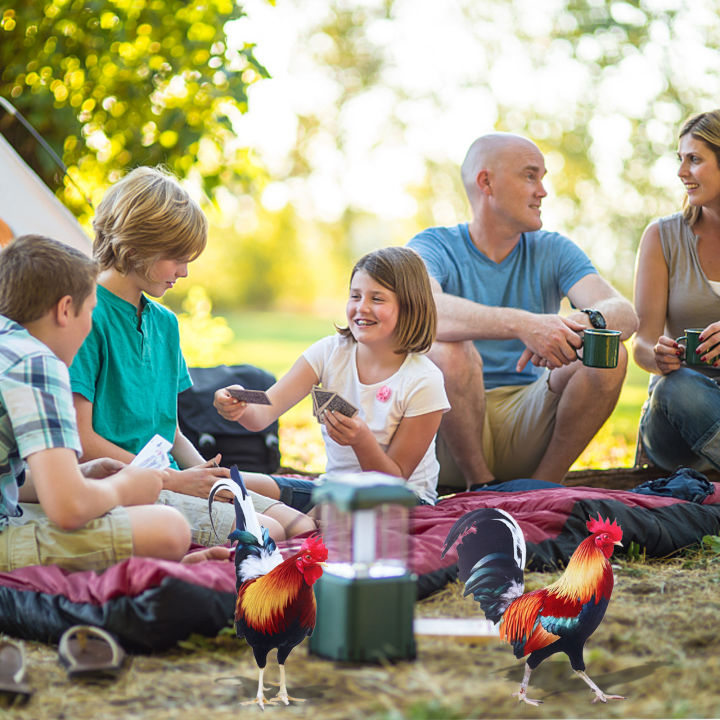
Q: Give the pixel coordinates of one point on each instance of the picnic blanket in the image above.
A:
(150, 605)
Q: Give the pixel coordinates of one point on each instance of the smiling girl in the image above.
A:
(677, 286)
(377, 363)
(127, 375)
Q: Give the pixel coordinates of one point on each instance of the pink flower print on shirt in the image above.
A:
(383, 394)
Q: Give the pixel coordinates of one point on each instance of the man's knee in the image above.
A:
(617, 376)
(607, 379)
(456, 359)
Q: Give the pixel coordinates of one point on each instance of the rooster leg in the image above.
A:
(599, 694)
(521, 694)
(282, 695)
(260, 697)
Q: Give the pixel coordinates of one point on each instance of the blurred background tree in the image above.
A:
(372, 103)
(320, 129)
(112, 85)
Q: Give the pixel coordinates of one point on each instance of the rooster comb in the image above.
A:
(315, 546)
(598, 525)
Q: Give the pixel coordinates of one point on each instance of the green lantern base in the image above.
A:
(365, 619)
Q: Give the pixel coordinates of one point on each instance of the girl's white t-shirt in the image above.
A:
(416, 388)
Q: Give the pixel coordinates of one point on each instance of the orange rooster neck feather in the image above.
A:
(587, 576)
(263, 602)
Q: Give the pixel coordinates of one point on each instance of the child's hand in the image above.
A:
(100, 468)
(197, 480)
(229, 407)
(216, 552)
(138, 485)
(344, 430)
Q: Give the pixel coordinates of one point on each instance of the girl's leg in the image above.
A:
(261, 484)
(294, 492)
(682, 423)
(274, 527)
(292, 521)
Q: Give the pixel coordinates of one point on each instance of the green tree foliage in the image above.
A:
(115, 84)
(601, 85)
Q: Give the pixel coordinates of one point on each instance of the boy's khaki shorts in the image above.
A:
(519, 422)
(195, 511)
(34, 540)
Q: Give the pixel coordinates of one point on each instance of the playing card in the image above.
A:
(254, 397)
(341, 405)
(320, 398)
(154, 454)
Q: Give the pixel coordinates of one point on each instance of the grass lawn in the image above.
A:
(275, 340)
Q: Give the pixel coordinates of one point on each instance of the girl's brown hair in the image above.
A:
(145, 216)
(403, 271)
(704, 126)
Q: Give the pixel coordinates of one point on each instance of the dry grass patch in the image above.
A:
(659, 644)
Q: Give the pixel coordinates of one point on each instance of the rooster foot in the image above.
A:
(260, 700)
(604, 698)
(599, 694)
(285, 699)
(522, 697)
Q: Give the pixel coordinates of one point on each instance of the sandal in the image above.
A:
(12, 669)
(90, 651)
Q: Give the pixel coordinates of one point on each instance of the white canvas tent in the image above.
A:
(28, 206)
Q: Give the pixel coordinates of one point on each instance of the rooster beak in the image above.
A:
(323, 565)
(618, 543)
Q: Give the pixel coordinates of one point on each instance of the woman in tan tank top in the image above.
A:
(677, 286)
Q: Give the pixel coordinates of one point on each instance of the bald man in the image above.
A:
(523, 406)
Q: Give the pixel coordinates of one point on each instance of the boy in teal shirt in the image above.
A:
(127, 375)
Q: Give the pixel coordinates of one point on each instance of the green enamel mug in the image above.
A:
(690, 341)
(601, 348)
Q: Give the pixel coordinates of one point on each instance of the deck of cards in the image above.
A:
(327, 400)
(252, 397)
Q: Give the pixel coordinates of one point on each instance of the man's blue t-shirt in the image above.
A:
(535, 276)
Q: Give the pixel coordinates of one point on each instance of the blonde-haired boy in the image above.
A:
(128, 373)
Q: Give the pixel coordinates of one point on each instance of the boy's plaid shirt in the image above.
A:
(36, 409)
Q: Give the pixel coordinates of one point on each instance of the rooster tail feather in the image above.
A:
(255, 552)
(268, 542)
(245, 515)
(491, 558)
(252, 524)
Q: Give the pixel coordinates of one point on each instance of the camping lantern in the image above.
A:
(366, 595)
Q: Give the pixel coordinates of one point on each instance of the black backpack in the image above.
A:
(212, 434)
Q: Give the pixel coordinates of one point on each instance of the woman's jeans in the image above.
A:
(681, 424)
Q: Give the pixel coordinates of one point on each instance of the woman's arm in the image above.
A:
(653, 351)
(288, 391)
(407, 447)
